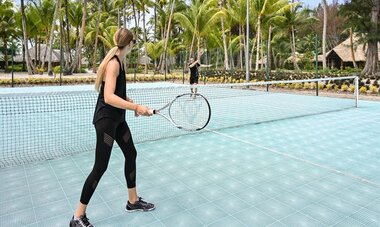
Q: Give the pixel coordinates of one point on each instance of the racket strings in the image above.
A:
(190, 112)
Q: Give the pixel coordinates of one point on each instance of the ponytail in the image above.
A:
(102, 68)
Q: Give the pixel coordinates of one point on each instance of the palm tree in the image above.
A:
(67, 40)
(144, 4)
(167, 34)
(237, 12)
(274, 17)
(98, 15)
(363, 17)
(324, 33)
(352, 49)
(294, 19)
(7, 26)
(45, 20)
(201, 17)
(155, 50)
(372, 64)
(50, 46)
(226, 65)
(25, 39)
(77, 59)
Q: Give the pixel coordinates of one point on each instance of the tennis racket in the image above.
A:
(190, 112)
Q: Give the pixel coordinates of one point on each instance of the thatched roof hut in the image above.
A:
(341, 57)
(41, 50)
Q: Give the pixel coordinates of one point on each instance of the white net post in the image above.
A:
(356, 91)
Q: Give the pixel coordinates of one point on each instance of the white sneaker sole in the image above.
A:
(131, 211)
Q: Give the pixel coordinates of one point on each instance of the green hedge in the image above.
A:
(86, 80)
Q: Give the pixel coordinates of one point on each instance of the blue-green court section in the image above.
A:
(313, 170)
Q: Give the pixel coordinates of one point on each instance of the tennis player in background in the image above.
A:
(194, 72)
(110, 126)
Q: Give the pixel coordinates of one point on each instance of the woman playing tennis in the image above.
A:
(110, 125)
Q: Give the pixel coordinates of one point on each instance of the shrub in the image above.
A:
(298, 86)
(16, 68)
(321, 86)
(57, 70)
(363, 90)
(329, 86)
(373, 89)
(352, 88)
(40, 70)
(344, 88)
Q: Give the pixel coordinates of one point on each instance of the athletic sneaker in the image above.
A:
(139, 205)
(81, 222)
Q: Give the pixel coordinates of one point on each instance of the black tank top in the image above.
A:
(103, 110)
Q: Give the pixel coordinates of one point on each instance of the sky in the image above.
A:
(314, 3)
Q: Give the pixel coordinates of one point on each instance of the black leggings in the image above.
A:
(107, 130)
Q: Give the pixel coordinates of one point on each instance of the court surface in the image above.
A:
(315, 170)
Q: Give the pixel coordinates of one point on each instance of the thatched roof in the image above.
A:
(343, 50)
(55, 57)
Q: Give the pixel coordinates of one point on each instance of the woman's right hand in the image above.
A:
(143, 111)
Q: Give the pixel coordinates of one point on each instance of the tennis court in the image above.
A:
(265, 159)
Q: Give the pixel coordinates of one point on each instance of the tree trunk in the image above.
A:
(274, 59)
(94, 60)
(192, 46)
(232, 57)
(240, 48)
(67, 70)
(269, 56)
(258, 43)
(198, 47)
(36, 51)
(371, 66)
(56, 10)
(168, 33)
(155, 25)
(293, 44)
(352, 50)
(77, 58)
(191, 50)
(145, 43)
(262, 53)
(252, 52)
(324, 33)
(137, 30)
(226, 65)
(43, 60)
(6, 55)
(25, 41)
(23, 57)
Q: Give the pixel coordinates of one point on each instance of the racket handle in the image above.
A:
(151, 111)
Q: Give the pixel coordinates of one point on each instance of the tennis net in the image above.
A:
(46, 125)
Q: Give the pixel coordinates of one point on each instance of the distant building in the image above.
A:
(340, 56)
(41, 50)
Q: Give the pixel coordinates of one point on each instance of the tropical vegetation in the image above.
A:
(282, 34)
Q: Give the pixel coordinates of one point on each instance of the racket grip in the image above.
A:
(151, 111)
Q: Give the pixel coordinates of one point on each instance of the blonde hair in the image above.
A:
(121, 39)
